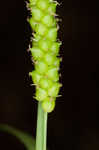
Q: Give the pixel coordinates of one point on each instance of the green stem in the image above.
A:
(41, 133)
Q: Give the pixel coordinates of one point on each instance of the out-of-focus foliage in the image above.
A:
(24, 138)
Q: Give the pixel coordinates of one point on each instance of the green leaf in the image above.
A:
(24, 138)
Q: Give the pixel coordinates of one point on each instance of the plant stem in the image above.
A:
(41, 133)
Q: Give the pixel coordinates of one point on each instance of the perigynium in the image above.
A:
(45, 52)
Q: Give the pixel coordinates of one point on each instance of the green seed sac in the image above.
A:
(45, 52)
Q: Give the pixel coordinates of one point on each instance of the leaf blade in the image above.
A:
(24, 138)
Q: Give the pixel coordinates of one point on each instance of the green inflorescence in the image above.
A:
(45, 52)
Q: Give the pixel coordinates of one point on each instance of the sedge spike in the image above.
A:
(45, 51)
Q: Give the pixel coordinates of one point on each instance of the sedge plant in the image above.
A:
(45, 56)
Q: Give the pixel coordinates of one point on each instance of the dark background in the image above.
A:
(74, 123)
